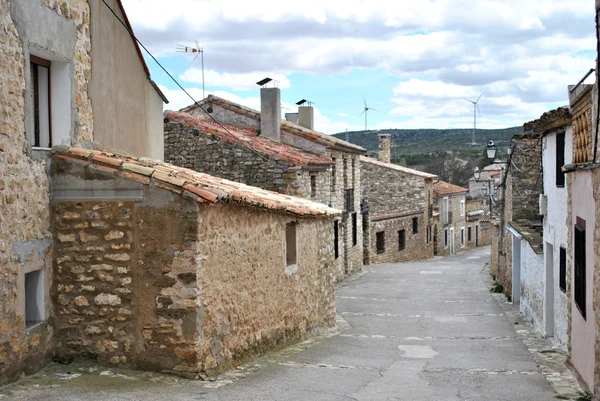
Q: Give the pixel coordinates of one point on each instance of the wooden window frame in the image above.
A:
(562, 269)
(34, 62)
(469, 234)
(313, 185)
(560, 160)
(579, 276)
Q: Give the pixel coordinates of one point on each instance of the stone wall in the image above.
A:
(416, 246)
(94, 249)
(253, 302)
(24, 213)
(526, 178)
(390, 191)
(186, 146)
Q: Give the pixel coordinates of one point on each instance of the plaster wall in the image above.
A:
(556, 230)
(457, 223)
(532, 300)
(128, 110)
(583, 331)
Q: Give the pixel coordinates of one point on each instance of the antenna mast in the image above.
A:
(200, 51)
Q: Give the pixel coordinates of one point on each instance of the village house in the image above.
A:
(259, 148)
(128, 260)
(451, 233)
(162, 268)
(77, 78)
(397, 209)
(479, 223)
(583, 240)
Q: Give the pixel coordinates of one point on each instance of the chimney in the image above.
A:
(384, 147)
(292, 117)
(270, 113)
(306, 116)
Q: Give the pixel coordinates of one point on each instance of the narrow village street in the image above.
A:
(428, 330)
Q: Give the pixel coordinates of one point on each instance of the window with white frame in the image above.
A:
(462, 207)
(445, 238)
(34, 298)
(445, 209)
(462, 236)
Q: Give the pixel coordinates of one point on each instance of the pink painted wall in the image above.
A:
(583, 332)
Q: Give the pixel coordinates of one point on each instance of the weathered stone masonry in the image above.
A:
(157, 278)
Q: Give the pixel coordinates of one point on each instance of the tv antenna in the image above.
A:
(366, 111)
(200, 52)
(475, 111)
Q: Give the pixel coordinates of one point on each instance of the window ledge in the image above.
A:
(40, 154)
(34, 326)
(291, 270)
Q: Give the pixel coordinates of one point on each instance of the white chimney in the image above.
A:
(270, 113)
(306, 117)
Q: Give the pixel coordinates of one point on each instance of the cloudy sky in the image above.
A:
(414, 61)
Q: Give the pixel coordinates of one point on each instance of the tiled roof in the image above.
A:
(407, 170)
(288, 126)
(205, 188)
(445, 188)
(250, 138)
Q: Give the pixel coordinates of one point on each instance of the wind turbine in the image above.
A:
(475, 110)
(366, 111)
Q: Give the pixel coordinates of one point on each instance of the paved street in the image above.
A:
(426, 331)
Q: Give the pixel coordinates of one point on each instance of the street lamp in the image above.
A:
(477, 173)
(491, 151)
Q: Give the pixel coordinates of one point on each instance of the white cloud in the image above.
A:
(520, 54)
(235, 81)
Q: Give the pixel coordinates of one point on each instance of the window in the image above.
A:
(380, 241)
(560, 159)
(350, 200)
(445, 238)
(469, 234)
(415, 224)
(40, 84)
(563, 269)
(290, 244)
(34, 298)
(580, 268)
(313, 185)
(354, 229)
(333, 177)
(445, 210)
(336, 238)
(401, 240)
(462, 236)
(462, 207)
(428, 234)
(353, 174)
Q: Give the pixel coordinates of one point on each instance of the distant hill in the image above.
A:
(444, 152)
(411, 141)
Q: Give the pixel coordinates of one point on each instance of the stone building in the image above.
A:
(70, 79)
(476, 219)
(333, 180)
(583, 239)
(450, 219)
(397, 210)
(161, 268)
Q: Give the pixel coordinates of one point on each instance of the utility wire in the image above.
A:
(180, 86)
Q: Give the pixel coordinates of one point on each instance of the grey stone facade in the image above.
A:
(394, 196)
(337, 185)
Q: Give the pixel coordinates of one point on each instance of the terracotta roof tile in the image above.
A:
(204, 187)
(250, 138)
(407, 170)
(324, 139)
(445, 188)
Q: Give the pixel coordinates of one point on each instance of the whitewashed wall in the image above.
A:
(532, 286)
(556, 231)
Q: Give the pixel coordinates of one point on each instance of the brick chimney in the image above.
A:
(270, 113)
(384, 148)
(306, 117)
